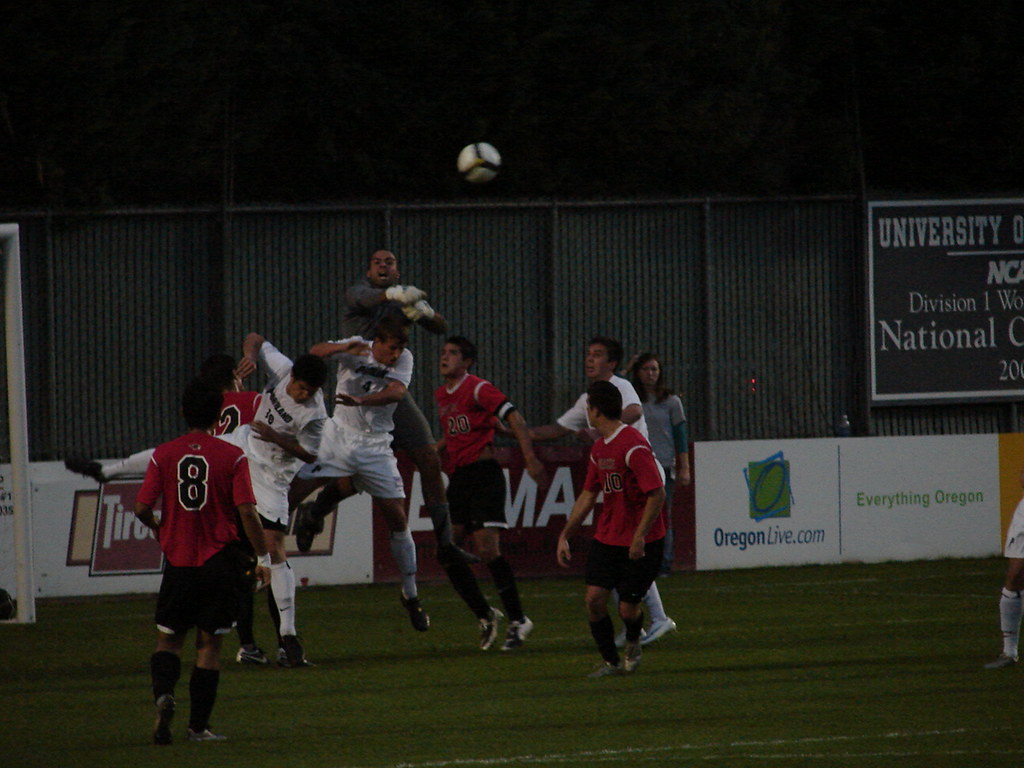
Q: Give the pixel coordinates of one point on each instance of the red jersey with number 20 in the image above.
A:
(237, 409)
(202, 480)
(623, 466)
(467, 413)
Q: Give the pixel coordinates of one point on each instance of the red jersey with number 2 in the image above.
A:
(468, 416)
(202, 480)
(623, 466)
(237, 409)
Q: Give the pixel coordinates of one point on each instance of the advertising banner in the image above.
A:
(946, 306)
(766, 502)
(914, 498)
(788, 502)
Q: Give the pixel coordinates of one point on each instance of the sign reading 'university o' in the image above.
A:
(946, 300)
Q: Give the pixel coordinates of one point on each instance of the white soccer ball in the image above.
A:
(479, 162)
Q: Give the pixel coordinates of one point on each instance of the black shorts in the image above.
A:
(476, 496)
(207, 596)
(609, 567)
(411, 429)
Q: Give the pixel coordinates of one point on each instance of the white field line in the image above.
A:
(738, 749)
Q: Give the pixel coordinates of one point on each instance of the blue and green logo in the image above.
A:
(768, 487)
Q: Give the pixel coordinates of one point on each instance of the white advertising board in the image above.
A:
(86, 541)
(788, 502)
(914, 498)
(766, 502)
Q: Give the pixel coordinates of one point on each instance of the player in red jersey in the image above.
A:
(469, 408)
(205, 486)
(625, 553)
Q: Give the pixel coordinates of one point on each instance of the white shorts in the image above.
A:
(1015, 533)
(366, 458)
(269, 487)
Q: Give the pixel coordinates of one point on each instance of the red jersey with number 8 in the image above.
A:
(623, 466)
(202, 480)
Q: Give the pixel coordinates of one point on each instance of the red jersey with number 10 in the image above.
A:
(202, 480)
(623, 466)
(467, 413)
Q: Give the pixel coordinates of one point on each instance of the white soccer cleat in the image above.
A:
(1002, 662)
(517, 632)
(657, 629)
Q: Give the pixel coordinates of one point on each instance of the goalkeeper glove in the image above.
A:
(418, 311)
(404, 294)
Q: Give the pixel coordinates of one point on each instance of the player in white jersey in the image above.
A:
(284, 435)
(604, 356)
(356, 448)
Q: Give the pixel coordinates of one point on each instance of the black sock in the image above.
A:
(505, 583)
(275, 615)
(633, 628)
(467, 587)
(164, 670)
(442, 521)
(202, 691)
(245, 620)
(328, 498)
(604, 636)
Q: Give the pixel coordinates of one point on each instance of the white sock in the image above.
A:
(653, 602)
(1009, 620)
(135, 464)
(282, 584)
(403, 550)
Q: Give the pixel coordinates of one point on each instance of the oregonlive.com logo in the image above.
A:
(769, 491)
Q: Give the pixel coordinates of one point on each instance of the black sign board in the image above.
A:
(946, 301)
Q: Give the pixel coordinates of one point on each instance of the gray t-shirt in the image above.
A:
(364, 310)
(661, 417)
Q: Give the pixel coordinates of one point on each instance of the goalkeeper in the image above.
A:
(375, 297)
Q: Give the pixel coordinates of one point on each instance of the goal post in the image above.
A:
(17, 410)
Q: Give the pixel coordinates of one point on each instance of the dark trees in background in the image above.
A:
(113, 102)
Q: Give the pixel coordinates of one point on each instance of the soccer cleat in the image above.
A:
(517, 632)
(205, 735)
(657, 629)
(307, 526)
(489, 628)
(87, 467)
(632, 656)
(164, 715)
(418, 617)
(620, 639)
(251, 655)
(606, 669)
(1002, 662)
(291, 654)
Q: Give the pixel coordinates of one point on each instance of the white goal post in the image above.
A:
(18, 423)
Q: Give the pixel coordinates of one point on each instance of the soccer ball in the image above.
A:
(8, 605)
(479, 162)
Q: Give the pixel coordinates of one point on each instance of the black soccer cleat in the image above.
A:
(307, 526)
(87, 467)
(418, 617)
(164, 715)
(291, 654)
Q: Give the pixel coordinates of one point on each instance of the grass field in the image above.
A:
(854, 665)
